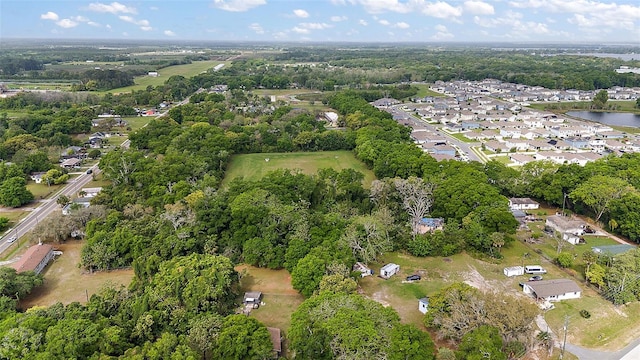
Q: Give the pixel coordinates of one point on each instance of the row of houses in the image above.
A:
(525, 93)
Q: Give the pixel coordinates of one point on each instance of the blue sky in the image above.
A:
(327, 20)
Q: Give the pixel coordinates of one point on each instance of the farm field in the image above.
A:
(186, 70)
(255, 166)
(64, 282)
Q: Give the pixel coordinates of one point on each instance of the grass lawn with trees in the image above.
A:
(255, 166)
(186, 70)
(64, 282)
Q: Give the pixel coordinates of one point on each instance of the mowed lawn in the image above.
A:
(255, 166)
(186, 70)
(64, 282)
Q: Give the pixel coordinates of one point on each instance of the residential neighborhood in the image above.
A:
(492, 118)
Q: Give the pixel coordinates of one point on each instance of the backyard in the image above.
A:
(64, 282)
(255, 166)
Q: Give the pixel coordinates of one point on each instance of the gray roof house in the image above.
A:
(552, 290)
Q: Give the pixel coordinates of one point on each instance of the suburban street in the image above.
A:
(460, 145)
(47, 207)
(42, 209)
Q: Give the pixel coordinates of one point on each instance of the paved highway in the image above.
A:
(48, 206)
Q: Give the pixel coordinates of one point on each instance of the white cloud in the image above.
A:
(169, 33)
(66, 23)
(257, 28)
(79, 18)
(305, 28)
(237, 5)
(478, 7)
(363, 22)
(384, 22)
(315, 26)
(383, 6)
(93, 23)
(113, 8)
(440, 10)
(337, 18)
(108, 26)
(442, 33)
(402, 25)
(300, 13)
(512, 25)
(144, 24)
(154, 8)
(50, 15)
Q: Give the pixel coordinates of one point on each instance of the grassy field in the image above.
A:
(255, 166)
(42, 191)
(609, 328)
(64, 282)
(186, 70)
(423, 90)
(279, 297)
(461, 137)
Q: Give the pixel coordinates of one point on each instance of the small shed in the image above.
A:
(362, 269)
(523, 204)
(276, 340)
(423, 305)
(514, 271)
(252, 298)
(389, 270)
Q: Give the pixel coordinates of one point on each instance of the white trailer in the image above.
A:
(389, 270)
(514, 271)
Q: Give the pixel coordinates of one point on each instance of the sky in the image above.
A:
(584, 21)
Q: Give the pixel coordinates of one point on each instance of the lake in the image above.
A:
(609, 118)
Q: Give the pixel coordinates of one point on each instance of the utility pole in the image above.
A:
(564, 342)
(564, 199)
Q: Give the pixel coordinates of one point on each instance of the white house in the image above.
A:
(523, 204)
(423, 305)
(389, 270)
(564, 224)
(552, 290)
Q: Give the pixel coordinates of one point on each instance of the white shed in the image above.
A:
(389, 270)
(423, 305)
(514, 271)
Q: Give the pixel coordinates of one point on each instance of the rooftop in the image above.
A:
(32, 257)
(546, 288)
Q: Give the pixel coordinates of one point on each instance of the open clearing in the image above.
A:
(280, 298)
(255, 166)
(64, 282)
(186, 70)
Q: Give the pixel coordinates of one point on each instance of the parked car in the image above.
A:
(12, 239)
(413, 277)
(535, 278)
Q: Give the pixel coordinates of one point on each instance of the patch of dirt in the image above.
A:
(475, 279)
(379, 297)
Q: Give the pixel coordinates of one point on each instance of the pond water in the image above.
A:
(608, 118)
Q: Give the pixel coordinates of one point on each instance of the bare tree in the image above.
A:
(417, 198)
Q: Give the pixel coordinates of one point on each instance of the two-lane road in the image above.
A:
(48, 206)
